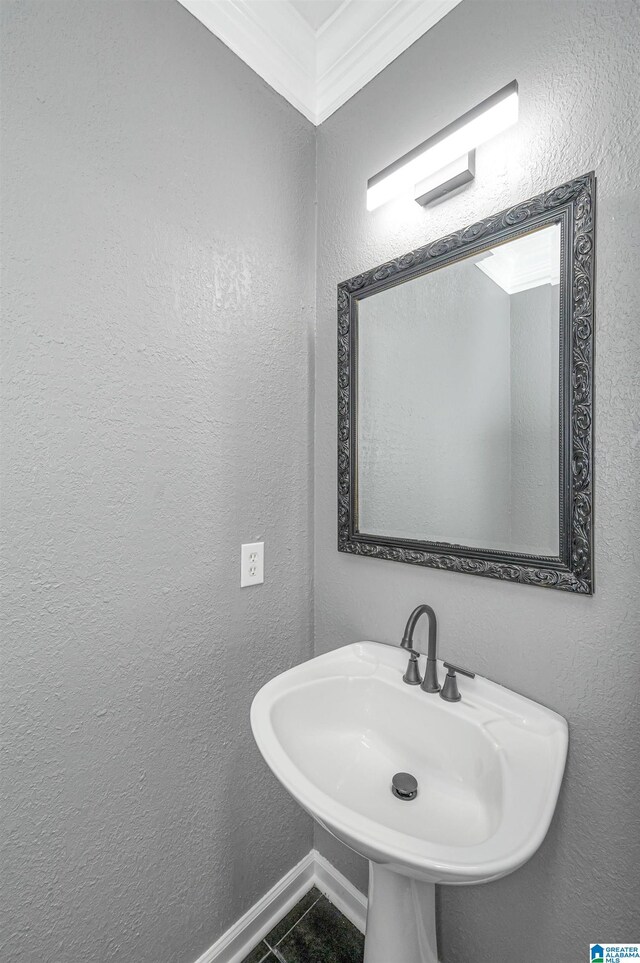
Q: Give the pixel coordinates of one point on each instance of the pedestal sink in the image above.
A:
(336, 729)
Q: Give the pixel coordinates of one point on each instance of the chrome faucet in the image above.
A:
(412, 675)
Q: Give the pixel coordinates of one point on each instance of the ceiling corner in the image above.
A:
(318, 65)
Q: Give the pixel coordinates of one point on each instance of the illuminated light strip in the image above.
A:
(477, 126)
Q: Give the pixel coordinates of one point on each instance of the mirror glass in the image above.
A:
(458, 401)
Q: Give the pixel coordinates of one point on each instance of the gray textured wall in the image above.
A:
(535, 384)
(578, 69)
(157, 310)
(434, 358)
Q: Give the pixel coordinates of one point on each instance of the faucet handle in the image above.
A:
(412, 675)
(406, 645)
(458, 668)
(450, 691)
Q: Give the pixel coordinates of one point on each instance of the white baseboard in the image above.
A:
(339, 891)
(313, 870)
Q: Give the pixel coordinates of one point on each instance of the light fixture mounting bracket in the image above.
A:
(455, 175)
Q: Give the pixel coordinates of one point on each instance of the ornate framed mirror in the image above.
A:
(465, 398)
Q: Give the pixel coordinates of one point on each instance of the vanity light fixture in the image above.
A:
(452, 147)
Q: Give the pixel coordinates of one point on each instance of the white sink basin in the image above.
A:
(335, 730)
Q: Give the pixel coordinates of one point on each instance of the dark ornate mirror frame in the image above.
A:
(572, 206)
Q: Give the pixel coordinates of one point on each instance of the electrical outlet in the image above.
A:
(251, 564)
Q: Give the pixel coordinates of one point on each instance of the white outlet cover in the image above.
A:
(251, 564)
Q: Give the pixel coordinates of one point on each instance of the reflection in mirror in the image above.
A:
(458, 402)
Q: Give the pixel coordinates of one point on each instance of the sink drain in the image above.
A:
(404, 786)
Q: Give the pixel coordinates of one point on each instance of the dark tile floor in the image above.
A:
(314, 931)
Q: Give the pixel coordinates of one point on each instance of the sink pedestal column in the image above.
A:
(401, 919)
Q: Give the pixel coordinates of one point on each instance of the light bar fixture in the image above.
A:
(453, 142)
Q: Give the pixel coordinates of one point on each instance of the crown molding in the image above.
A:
(362, 40)
(525, 263)
(318, 71)
(272, 38)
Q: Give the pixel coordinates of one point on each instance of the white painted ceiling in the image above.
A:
(318, 53)
(525, 263)
(316, 12)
